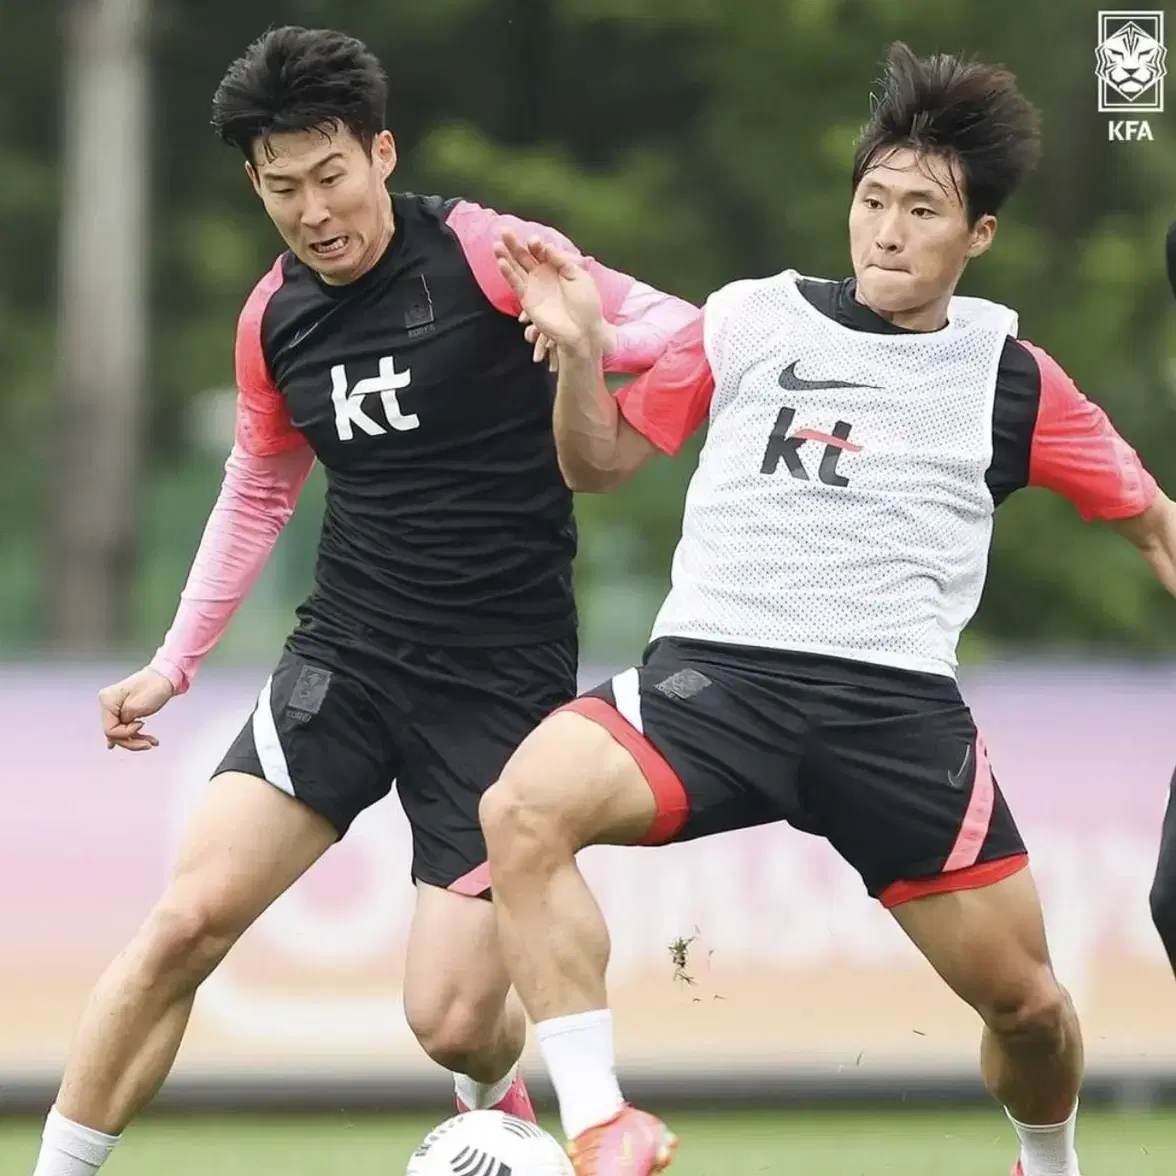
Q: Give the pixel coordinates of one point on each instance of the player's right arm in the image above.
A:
(267, 467)
(601, 440)
(604, 440)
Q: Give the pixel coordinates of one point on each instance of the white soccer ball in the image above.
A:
(489, 1143)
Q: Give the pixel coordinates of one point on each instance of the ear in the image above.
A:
(983, 232)
(384, 155)
(254, 178)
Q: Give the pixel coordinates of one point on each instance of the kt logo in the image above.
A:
(783, 445)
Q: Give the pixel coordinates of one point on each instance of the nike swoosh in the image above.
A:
(957, 778)
(791, 382)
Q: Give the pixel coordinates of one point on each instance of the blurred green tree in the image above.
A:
(689, 141)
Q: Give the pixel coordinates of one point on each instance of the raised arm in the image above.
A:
(640, 320)
(602, 440)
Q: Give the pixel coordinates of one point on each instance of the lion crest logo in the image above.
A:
(1132, 64)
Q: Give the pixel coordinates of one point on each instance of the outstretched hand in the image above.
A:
(557, 295)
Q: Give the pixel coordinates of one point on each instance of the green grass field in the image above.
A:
(965, 1143)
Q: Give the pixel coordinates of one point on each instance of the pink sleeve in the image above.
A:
(256, 500)
(1077, 452)
(645, 318)
(263, 424)
(669, 402)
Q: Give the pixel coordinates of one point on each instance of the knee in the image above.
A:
(451, 1030)
(183, 940)
(521, 820)
(1033, 1014)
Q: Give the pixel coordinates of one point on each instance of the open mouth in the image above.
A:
(331, 247)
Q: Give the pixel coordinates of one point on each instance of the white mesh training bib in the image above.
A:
(839, 506)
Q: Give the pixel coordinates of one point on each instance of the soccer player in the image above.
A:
(441, 629)
(834, 545)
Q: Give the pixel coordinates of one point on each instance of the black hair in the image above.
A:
(296, 79)
(965, 110)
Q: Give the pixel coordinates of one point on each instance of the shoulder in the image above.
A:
(264, 290)
(436, 209)
(725, 304)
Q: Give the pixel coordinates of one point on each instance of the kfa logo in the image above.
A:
(350, 410)
(781, 445)
(1128, 130)
(1131, 64)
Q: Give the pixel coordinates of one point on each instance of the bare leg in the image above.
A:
(989, 945)
(457, 994)
(246, 845)
(569, 785)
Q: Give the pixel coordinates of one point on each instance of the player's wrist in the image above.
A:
(587, 348)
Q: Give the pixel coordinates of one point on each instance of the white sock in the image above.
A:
(479, 1095)
(578, 1053)
(69, 1149)
(1048, 1150)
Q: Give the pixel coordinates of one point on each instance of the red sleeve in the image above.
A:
(645, 318)
(263, 424)
(1077, 452)
(668, 403)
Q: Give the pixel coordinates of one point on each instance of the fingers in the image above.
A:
(544, 253)
(516, 278)
(542, 348)
(515, 261)
(138, 743)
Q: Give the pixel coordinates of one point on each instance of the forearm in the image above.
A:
(586, 419)
(642, 324)
(256, 500)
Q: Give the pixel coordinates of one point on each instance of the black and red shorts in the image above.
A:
(885, 764)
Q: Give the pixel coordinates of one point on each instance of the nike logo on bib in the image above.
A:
(791, 382)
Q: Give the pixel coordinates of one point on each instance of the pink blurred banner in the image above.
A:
(791, 966)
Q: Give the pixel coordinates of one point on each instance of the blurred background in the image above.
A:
(689, 142)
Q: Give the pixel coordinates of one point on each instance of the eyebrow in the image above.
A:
(913, 194)
(281, 177)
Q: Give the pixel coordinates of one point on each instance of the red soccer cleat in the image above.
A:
(632, 1143)
(516, 1101)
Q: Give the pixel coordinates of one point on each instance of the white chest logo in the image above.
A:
(350, 413)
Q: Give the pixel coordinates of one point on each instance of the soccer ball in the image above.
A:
(488, 1143)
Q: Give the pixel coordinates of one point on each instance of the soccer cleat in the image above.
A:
(631, 1143)
(516, 1101)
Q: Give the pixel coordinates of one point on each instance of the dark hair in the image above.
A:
(965, 110)
(296, 79)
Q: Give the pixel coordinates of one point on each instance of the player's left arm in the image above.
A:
(1077, 452)
(641, 320)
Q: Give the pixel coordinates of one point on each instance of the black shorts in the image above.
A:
(886, 764)
(335, 728)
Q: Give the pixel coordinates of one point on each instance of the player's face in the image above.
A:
(326, 194)
(910, 237)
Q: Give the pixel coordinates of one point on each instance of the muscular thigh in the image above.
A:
(245, 845)
(453, 956)
(898, 779)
